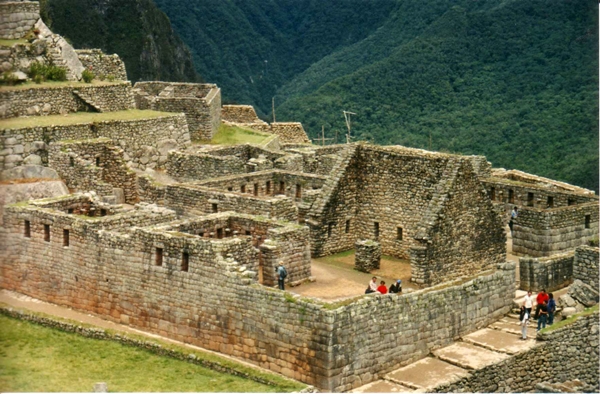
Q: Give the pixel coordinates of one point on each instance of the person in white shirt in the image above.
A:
(372, 286)
(528, 303)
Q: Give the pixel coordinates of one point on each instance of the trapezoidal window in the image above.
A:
(243, 188)
(97, 162)
(588, 219)
(376, 230)
(329, 229)
(256, 189)
(219, 233)
(158, 257)
(215, 208)
(27, 229)
(550, 201)
(47, 232)
(511, 196)
(248, 232)
(530, 199)
(281, 187)
(298, 191)
(492, 193)
(399, 234)
(71, 162)
(65, 237)
(570, 201)
(347, 226)
(102, 212)
(185, 261)
(268, 187)
(230, 189)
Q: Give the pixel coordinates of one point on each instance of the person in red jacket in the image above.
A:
(382, 289)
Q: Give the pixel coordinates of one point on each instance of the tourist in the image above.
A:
(543, 315)
(513, 215)
(372, 286)
(528, 303)
(551, 309)
(396, 287)
(382, 289)
(281, 275)
(524, 321)
(541, 298)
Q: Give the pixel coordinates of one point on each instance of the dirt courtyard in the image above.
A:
(336, 279)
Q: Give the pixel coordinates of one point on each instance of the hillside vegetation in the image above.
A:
(136, 30)
(515, 81)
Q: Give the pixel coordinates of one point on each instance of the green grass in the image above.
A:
(57, 84)
(36, 358)
(570, 319)
(10, 43)
(233, 135)
(80, 117)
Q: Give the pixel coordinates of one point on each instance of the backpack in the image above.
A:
(283, 273)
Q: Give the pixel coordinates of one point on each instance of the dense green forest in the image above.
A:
(515, 81)
(136, 30)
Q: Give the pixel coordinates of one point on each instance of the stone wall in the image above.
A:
(532, 195)
(148, 148)
(102, 65)
(19, 56)
(197, 166)
(240, 114)
(218, 305)
(568, 353)
(368, 255)
(56, 100)
(289, 132)
(201, 104)
(17, 18)
(416, 205)
(550, 273)
(196, 200)
(547, 232)
(585, 266)
(94, 164)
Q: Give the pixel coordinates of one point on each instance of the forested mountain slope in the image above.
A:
(136, 30)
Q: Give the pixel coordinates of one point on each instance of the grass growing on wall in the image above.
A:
(233, 135)
(36, 358)
(80, 117)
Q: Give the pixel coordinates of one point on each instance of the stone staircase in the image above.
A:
(476, 350)
(88, 99)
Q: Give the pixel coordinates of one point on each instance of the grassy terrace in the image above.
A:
(36, 358)
(57, 84)
(233, 135)
(79, 117)
(10, 43)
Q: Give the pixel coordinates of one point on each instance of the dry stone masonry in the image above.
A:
(153, 208)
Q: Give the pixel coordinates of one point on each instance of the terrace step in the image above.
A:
(86, 98)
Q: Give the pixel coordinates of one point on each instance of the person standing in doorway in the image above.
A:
(281, 275)
(513, 216)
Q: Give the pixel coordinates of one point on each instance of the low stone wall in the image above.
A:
(239, 114)
(201, 103)
(585, 266)
(548, 232)
(148, 148)
(57, 100)
(550, 273)
(102, 65)
(289, 132)
(568, 353)
(17, 18)
(191, 166)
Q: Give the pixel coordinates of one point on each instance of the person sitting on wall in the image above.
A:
(396, 287)
(513, 217)
(281, 275)
(542, 298)
(372, 286)
(382, 289)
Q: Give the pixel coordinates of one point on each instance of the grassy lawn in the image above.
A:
(233, 135)
(10, 43)
(79, 117)
(36, 358)
(57, 84)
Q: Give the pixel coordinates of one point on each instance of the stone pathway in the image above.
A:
(476, 350)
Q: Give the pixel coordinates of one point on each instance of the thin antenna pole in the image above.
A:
(273, 108)
(348, 125)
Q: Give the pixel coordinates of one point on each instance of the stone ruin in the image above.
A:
(168, 235)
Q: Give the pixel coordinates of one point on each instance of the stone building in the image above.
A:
(182, 239)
